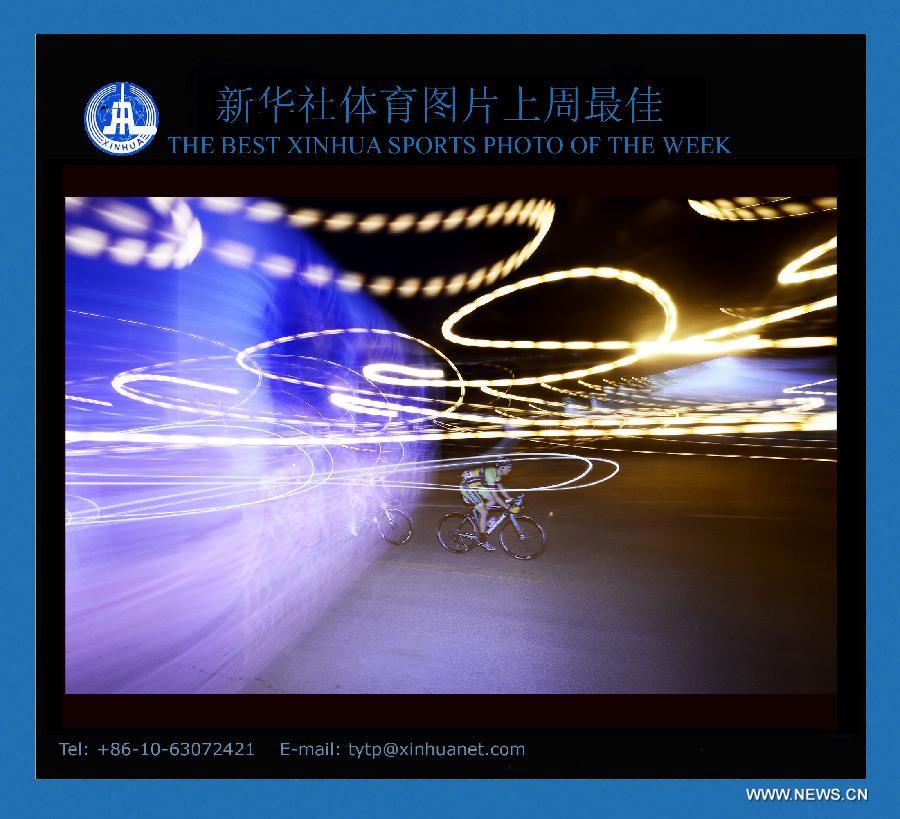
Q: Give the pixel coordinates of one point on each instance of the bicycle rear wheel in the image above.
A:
(395, 526)
(457, 532)
(524, 539)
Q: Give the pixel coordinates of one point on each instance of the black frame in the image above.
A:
(633, 736)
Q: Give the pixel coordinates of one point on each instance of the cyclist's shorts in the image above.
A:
(475, 495)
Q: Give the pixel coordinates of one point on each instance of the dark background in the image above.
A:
(783, 98)
(704, 264)
(790, 101)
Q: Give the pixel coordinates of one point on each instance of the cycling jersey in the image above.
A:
(477, 484)
(483, 476)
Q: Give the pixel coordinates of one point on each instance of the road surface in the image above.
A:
(679, 575)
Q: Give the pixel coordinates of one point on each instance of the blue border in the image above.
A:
(21, 796)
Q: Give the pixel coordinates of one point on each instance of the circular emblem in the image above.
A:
(121, 118)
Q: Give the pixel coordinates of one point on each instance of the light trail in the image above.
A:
(635, 422)
(800, 389)
(236, 466)
(796, 271)
(819, 422)
(175, 243)
(761, 208)
(648, 286)
(81, 400)
(536, 214)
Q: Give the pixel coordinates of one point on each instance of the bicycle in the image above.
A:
(393, 525)
(521, 537)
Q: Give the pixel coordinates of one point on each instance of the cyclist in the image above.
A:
(483, 486)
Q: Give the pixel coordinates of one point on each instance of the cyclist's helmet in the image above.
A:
(503, 463)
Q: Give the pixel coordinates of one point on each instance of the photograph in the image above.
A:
(386, 444)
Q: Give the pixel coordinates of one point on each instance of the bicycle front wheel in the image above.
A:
(395, 526)
(457, 533)
(523, 539)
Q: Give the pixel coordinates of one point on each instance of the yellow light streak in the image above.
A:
(827, 421)
(610, 273)
(792, 273)
(698, 344)
(536, 214)
(761, 208)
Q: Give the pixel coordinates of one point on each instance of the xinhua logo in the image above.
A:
(121, 118)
